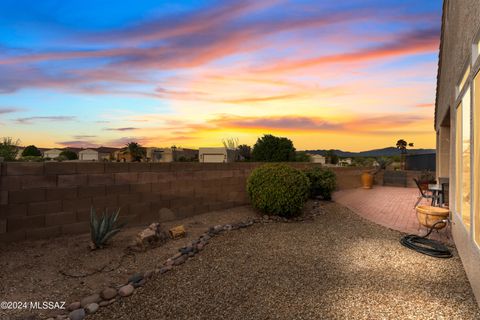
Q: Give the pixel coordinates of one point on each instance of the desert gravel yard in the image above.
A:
(337, 266)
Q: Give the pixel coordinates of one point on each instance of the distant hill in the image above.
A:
(385, 152)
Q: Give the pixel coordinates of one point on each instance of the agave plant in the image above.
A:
(104, 227)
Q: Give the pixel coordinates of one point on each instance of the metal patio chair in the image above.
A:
(423, 194)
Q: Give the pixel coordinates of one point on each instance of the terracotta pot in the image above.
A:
(428, 215)
(367, 180)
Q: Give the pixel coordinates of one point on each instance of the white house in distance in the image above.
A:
(216, 155)
(96, 154)
(345, 162)
(52, 153)
(317, 158)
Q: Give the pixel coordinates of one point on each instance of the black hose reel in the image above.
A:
(426, 246)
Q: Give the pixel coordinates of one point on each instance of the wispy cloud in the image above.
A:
(121, 129)
(10, 110)
(78, 144)
(29, 120)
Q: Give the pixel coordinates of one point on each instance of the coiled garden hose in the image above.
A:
(426, 246)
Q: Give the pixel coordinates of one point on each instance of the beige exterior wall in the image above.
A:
(459, 64)
(88, 155)
(215, 155)
(53, 153)
(41, 200)
(316, 158)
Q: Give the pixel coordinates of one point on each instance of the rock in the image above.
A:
(90, 299)
(134, 278)
(78, 314)
(74, 306)
(106, 303)
(205, 237)
(180, 260)
(177, 255)
(91, 308)
(165, 269)
(191, 254)
(126, 291)
(148, 274)
(200, 246)
(151, 235)
(170, 262)
(139, 283)
(109, 293)
(265, 217)
(227, 227)
(186, 250)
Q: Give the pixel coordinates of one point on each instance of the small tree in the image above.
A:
(9, 149)
(332, 157)
(69, 155)
(31, 151)
(273, 149)
(245, 152)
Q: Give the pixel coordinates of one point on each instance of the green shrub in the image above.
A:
(31, 151)
(322, 182)
(278, 189)
(9, 149)
(69, 155)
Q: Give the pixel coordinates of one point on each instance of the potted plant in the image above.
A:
(367, 179)
(368, 176)
(425, 178)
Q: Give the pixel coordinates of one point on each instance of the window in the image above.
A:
(463, 81)
(463, 171)
(476, 48)
(476, 159)
(458, 160)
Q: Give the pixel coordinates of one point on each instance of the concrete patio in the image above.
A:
(391, 207)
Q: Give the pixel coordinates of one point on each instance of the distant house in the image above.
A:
(154, 154)
(345, 162)
(52, 153)
(317, 158)
(216, 155)
(88, 155)
(183, 154)
(97, 154)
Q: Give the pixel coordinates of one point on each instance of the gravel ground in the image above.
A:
(30, 270)
(338, 266)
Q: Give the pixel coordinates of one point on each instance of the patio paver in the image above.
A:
(391, 207)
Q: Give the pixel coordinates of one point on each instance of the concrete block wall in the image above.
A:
(41, 200)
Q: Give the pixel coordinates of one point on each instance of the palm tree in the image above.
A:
(136, 151)
(402, 146)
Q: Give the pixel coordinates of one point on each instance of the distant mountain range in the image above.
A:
(385, 152)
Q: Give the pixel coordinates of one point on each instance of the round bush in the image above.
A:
(322, 182)
(278, 189)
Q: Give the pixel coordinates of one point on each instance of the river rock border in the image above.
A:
(78, 310)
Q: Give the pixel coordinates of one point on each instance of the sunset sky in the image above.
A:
(351, 75)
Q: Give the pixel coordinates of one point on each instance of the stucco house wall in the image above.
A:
(88, 155)
(458, 57)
